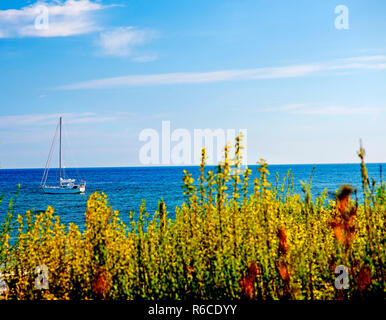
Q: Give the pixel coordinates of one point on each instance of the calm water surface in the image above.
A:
(126, 187)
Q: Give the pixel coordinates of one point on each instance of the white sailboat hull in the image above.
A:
(61, 190)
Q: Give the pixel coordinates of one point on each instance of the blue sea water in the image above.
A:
(126, 187)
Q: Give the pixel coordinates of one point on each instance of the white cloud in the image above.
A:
(290, 107)
(121, 41)
(64, 18)
(339, 110)
(226, 75)
(332, 110)
(194, 77)
(367, 58)
(50, 119)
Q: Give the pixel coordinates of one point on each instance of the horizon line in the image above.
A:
(193, 165)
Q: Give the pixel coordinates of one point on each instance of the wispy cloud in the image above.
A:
(294, 71)
(122, 41)
(332, 110)
(290, 107)
(340, 110)
(82, 129)
(63, 18)
(367, 58)
(50, 119)
(195, 77)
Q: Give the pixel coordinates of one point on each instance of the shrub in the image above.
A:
(224, 243)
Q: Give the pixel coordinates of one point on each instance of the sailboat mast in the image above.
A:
(60, 148)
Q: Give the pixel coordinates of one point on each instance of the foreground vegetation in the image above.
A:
(232, 238)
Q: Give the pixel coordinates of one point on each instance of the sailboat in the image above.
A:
(65, 186)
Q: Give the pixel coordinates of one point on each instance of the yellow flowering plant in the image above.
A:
(228, 240)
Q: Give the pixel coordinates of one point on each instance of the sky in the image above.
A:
(306, 82)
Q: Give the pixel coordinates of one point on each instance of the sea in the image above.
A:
(126, 188)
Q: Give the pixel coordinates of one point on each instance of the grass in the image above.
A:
(232, 238)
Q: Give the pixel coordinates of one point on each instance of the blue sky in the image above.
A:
(305, 91)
